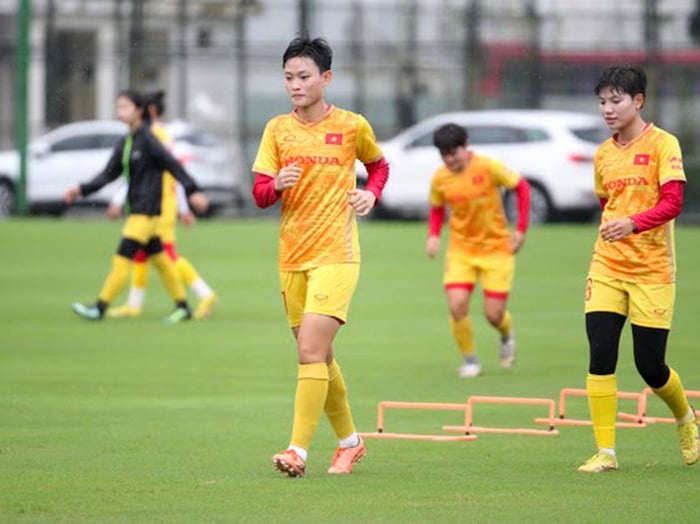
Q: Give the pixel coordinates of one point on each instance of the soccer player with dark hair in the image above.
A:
(173, 204)
(639, 178)
(142, 159)
(307, 159)
(481, 248)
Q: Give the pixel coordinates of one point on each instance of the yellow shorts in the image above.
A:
(141, 228)
(495, 272)
(166, 230)
(325, 290)
(646, 305)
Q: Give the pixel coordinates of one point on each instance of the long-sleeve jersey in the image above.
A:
(147, 159)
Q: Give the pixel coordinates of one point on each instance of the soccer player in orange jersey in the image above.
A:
(307, 159)
(481, 247)
(639, 178)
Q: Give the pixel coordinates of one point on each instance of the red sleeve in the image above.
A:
(435, 219)
(603, 203)
(377, 175)
(669, 207)
(523, 192)
(264, 191)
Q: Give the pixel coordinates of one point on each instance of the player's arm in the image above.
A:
(370, 154)
(114, 210)
(436, 218)
(513, 181)
(183, 208)
(111, 171)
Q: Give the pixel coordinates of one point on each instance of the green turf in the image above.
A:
(136, 421)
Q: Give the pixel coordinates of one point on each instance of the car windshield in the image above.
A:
(594, 135)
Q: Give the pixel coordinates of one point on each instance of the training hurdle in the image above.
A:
(469, 428)
(436, 406)
(577, 392)
(643, 418)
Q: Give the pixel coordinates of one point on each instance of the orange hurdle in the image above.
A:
(439, 406)
(577, 392)
(643, 418)
(469, 428)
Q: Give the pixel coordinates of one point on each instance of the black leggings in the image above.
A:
(604, 329)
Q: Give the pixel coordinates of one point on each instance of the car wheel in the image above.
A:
(541, 209)
(7, 199)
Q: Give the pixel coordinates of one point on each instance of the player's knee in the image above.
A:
(494, 317)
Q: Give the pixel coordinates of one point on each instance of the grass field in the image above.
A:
(135, 421)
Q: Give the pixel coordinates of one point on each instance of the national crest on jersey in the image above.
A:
(630, 178)
(318, 226)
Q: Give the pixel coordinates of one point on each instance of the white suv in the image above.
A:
(552, 149)
(76, 152)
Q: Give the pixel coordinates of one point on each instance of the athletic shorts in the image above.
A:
(325, 290)
(495, 272)
(141, 228)
(646, 305)
(166, 230)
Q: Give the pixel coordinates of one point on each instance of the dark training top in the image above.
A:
(144, 171)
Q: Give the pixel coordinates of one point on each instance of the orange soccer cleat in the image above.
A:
(345, 458)
(289, 463)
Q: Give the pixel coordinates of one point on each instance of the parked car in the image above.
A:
(76, 152)
(552, 149)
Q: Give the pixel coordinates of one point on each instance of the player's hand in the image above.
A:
(432, 247)
(188, 219)
(71, 195)
(287, 177)
(199, 202)
(517, 239)
(362, 201)
(616, 229)
(114, 211)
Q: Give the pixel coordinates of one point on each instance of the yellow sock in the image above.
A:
(171, 279)
(464, 334)
(673, 394)
(337, 407)
(504, 327)
(187, 272)
(139, 275)
(116, 280)
(602, 402)
(312, 390)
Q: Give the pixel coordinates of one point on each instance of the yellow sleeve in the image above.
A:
(162, 134)
(597, 177)
(670, 161)
(437, 199)
(503, 175)
(368, 149)
(267, 161)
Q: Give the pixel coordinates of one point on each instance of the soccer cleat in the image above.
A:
(507, 351)
(345, 458)
(87, 312)
(470, 370)
(289, 463)
(598, 463)
(205, 306)
(690, 443)
(179, 315)
(124, 311)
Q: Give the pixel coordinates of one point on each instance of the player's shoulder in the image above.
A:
(659, 135)
(481, 161)
(347, 117)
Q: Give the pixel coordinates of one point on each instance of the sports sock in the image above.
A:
(337, 407)
(463, 334)
(673, 394)
(187, 272)
(602, 402)
(312, 390)
(139, 282)
(116, 279)
(504, 327)
(169, 275)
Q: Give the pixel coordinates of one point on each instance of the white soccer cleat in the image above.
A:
(470, 370)
(507, 351)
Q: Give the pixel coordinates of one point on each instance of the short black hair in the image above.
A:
(156, 99)
(317, 50)
(625, 79)
(450, 136)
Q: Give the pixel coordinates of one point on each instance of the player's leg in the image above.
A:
(193, 281)
(133, 239)
(171, 280)
(137, 291)
(459, 279)
(606, 307)
(497, 278)
(651, 309)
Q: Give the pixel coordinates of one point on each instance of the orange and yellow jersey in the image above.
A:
(168, 206)
(630, 178)
(317, 226)
(478, 224)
